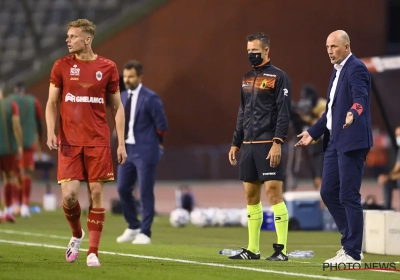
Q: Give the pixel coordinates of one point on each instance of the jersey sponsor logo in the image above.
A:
(269, 173)
(84, 99)
(74, 70)
(69, 97)
(99, 75)
(247, 84)
(269, 75)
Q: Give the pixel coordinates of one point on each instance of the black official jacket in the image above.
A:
(264, 106)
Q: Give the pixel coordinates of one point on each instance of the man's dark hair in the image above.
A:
(134, 64)
(264, 38)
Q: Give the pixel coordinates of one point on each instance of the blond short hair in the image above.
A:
(84, 24)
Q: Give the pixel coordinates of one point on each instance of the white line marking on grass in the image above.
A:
(184, 261)
(36, 234)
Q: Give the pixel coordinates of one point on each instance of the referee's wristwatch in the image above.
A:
(277, 141)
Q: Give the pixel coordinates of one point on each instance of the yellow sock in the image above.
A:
(281, 223)
(254, 219)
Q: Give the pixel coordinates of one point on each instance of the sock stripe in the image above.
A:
(97, 212)
(65, 206)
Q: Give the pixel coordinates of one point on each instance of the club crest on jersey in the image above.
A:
(99, 75)
(75, 70)
(264, 84)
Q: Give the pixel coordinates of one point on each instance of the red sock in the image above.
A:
(73, 216)
(8, 194)
(26, 190)
(95, 222)
(15, 191)
(18, 194)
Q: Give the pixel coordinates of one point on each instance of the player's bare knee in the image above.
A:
(96, 193)
(274, 192)
(70, 197)
(252, 200)
(252, 193)
(10, 177)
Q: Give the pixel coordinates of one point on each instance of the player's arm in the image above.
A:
(118, 113)
(283, 102)
(16, 125)
(51, 115)
(56, 84)
(159, 117)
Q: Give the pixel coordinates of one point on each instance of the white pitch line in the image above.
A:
(36, 234)
(313, 276)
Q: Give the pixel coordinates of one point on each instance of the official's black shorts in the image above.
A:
(254, 165)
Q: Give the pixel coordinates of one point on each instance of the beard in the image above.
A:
(131, 86)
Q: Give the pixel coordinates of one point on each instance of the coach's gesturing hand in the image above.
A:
(349, 120)
(305, 139)
(274, 155)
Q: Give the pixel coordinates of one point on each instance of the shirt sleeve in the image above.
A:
(238, 134)
(283, 102)
(113, 82)
(15, 110)
(56, 76)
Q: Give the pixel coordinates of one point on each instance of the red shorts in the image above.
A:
(90, 164)
(27, 162)
(8, 163)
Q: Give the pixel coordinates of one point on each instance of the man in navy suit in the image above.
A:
(145, 128)
(346, 126)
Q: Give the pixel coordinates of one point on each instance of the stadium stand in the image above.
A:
(33, 32)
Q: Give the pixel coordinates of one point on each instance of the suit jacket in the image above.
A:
(150, 126)
(352, 95)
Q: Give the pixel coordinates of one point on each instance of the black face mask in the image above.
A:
(255, 59)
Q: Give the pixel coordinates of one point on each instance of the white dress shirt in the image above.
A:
(135, 92)
(338, 68)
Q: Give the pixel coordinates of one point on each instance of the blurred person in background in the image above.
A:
(261, 128)
(79, 84)
(377, 159)
(390, 181)
(145, 129)
(10, 151)
(31, 121)
(310, 108)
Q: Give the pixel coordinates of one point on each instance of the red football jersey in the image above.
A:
(84, 85)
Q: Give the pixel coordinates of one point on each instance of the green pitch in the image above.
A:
(34, 249)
